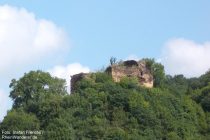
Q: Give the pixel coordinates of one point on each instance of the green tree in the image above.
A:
(48, 109)
(59, 129)
(157, 70)
(204, 98)
(20, 120)
(103, 109)
(33, 86)
(178, 85)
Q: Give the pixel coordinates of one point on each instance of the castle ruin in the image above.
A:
(129, 68)
(132, 68)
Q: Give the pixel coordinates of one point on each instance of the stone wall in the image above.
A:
(132, 68)
(118, 71)
(77, 77)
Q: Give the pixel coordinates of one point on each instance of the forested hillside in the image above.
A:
(176, 108)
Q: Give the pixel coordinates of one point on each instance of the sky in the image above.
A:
(67, 37)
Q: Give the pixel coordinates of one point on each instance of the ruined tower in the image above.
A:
(130, 68)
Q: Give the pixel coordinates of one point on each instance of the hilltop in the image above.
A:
(101, 108)
(120, 70)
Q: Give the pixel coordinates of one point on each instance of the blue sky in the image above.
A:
(120, 27)
(88, 33)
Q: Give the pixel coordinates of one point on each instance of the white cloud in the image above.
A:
(25, 42)
(24, 38)
(4, 103)
(181, 56)
(66, 71)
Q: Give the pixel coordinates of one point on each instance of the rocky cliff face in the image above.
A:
(118, 71)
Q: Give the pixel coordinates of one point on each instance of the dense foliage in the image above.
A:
(176, 108)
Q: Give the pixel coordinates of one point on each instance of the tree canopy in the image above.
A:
(176, 108)
(33, 86)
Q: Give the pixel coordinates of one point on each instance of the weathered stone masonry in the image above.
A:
(130, 68)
